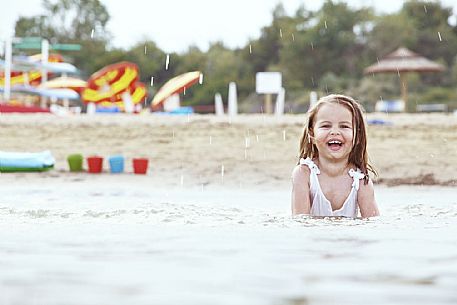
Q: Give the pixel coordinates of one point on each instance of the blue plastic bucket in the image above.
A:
(116, 164)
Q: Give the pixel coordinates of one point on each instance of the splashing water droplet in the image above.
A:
(92, 33)
(210, 140)
(284, 135)
(222, 172)
(293, 37)
(325, 24)
(257, 138)
(439, 36)
(200, 79)
(425, 9)
(184, 92)
(280, 33)
(152, 81)
(247, 142)
(145, 49)
(167, 61)
(250, 49)
(312, 46)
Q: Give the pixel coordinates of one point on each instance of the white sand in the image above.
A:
(253, 150)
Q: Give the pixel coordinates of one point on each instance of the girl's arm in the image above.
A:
(366, 200)
(300, 190)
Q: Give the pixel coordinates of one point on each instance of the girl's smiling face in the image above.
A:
(333, 131)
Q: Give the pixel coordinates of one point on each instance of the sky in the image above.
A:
(174, 25)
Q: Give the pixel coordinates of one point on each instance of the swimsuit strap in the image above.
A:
(356, 175)
(312, 166)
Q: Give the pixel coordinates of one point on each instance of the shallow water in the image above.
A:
(80, 244)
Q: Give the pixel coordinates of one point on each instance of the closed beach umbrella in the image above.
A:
(28, 63)
(61, 93)
(403, 61)
(175, 85)
(58, 67)
(58, 93)
(65, 82)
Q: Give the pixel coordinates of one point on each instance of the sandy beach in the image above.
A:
(247, 151)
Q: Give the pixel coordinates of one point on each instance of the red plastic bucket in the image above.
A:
(140, 165)
(95, 164)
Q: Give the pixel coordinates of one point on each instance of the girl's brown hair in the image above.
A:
(358, 155)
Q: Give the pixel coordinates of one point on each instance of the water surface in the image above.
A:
(126, 244)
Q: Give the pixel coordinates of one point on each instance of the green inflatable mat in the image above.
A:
(6, 169)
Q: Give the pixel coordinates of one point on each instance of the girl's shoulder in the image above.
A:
(366, 200)
(300, 174)
(366, 190)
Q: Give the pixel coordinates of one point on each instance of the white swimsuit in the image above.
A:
(321, 206)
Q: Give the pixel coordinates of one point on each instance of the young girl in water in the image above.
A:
(331, 178)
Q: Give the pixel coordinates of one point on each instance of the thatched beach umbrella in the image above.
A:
(403, 61)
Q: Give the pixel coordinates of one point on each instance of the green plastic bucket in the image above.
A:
(75, 162)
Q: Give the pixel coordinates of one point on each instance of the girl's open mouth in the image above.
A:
(334, 145)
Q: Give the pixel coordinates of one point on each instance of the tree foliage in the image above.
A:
(71, 21)
(67, 20)
(323, 50)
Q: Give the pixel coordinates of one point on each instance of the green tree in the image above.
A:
(436, 38)
(151, 61)
(381, 39)
(71, 21)
(67, 20)
(325, 42)
(219, 67)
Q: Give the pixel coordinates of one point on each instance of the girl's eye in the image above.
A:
(325, 126)
(345, 126)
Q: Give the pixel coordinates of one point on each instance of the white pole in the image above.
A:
(312, 98)
(128, 103)
(218, 104)
(8, 62)
(232, 100)
(91, 109)
(279, 108)
(44, 60)
(44, 63)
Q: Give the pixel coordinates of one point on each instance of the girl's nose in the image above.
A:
(334, 132)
